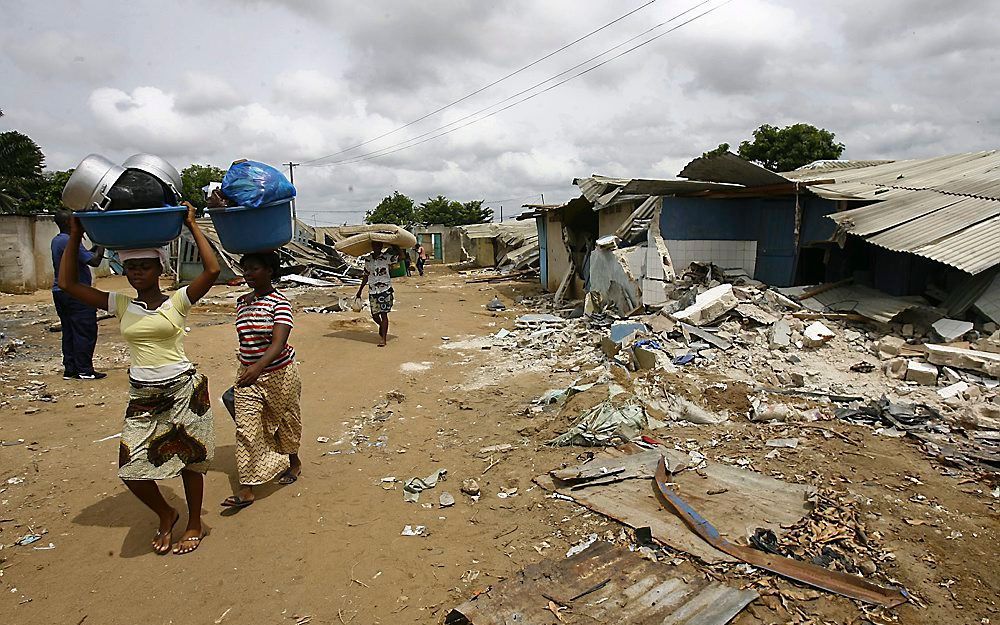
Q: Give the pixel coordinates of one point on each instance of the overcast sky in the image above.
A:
(280, 80)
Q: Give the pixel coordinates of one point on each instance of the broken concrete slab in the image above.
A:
(816, 335)
(755, 313)
(921, 373)
(709, 306)
(984, 362)
(889, 346)
(780, 335)
(745, 500)
(603, 584)
(951, 329)
(953, 390)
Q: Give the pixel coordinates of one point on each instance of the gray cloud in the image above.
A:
(299, 79)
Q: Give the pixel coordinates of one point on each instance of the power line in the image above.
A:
(485, 87)
(413, 141)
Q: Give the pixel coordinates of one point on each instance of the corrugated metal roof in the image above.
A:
(893, 212)
(974, 249)
(808, 171)
(942, 208)
(603, 584)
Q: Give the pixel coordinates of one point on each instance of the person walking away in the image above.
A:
(78, 320)
(268, 386)
(421, 258)
(168, 429)
(379, 287)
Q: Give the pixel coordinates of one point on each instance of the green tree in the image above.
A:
(441, 210)
(21, 162)
(785, 149)
(194, 178)
(722, 149)
(45, 195)
(394, 209)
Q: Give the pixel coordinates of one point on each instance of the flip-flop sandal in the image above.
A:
(288, 478)
(160, 535)
(234, 501)
(195, 539)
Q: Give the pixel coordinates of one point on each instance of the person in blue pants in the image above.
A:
(79, 321)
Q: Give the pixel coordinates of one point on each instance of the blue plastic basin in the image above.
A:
(244, 229)
(133, 229)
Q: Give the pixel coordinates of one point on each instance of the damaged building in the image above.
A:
(909, 232)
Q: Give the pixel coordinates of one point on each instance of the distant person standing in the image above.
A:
(78, 320)
(421, 258)
(377, 266)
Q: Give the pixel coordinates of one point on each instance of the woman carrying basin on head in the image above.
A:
(168, 429)
(268, 386)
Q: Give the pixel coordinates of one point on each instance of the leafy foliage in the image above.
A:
(21, 162)
(441, 210)
(45, 194)
(394, 209)
(722, 149)
(194, 177)
(784, 149)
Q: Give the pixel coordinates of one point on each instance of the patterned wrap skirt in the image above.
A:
(380, 302)
(168, 427)
(268, 424)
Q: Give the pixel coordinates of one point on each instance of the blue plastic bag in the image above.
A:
(253, 184)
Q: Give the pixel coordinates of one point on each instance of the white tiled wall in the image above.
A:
(725, 254)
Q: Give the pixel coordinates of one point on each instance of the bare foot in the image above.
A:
(189, 541)
(161, 542)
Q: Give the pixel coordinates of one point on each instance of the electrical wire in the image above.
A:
(485, 87)
(414, 141)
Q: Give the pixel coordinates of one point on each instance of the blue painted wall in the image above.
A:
(769, 221)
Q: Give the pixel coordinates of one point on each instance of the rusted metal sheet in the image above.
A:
(733, 495)
(834, 581)
(603, 584)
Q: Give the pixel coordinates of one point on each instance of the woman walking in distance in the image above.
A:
(268, 386)
(168, 429)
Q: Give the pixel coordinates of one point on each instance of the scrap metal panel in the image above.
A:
(973, 250)
(603, 584)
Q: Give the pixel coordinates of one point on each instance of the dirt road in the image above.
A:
(329, 547)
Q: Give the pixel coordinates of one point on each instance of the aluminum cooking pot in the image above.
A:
(157, 167)
(87, 188)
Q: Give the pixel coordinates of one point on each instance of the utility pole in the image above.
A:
(291, 178)
(543, 198)
(501, 212)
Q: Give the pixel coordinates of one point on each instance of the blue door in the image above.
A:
(776, 242)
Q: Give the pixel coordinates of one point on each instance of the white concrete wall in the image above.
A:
(725, 254)
(26, 253)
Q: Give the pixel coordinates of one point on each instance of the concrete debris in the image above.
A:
(780, 335)
(709, 306)
(953, 390)
(921, 373)
(950, 329)
(817, 335)
(984, 362)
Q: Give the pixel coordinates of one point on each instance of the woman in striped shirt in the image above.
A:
(268, 386)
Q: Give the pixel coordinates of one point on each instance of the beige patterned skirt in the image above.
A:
(268, 424)
(168, 428)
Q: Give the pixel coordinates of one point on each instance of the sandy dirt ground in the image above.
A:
(328, 548)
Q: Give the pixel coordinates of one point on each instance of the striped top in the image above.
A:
(255, 319)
